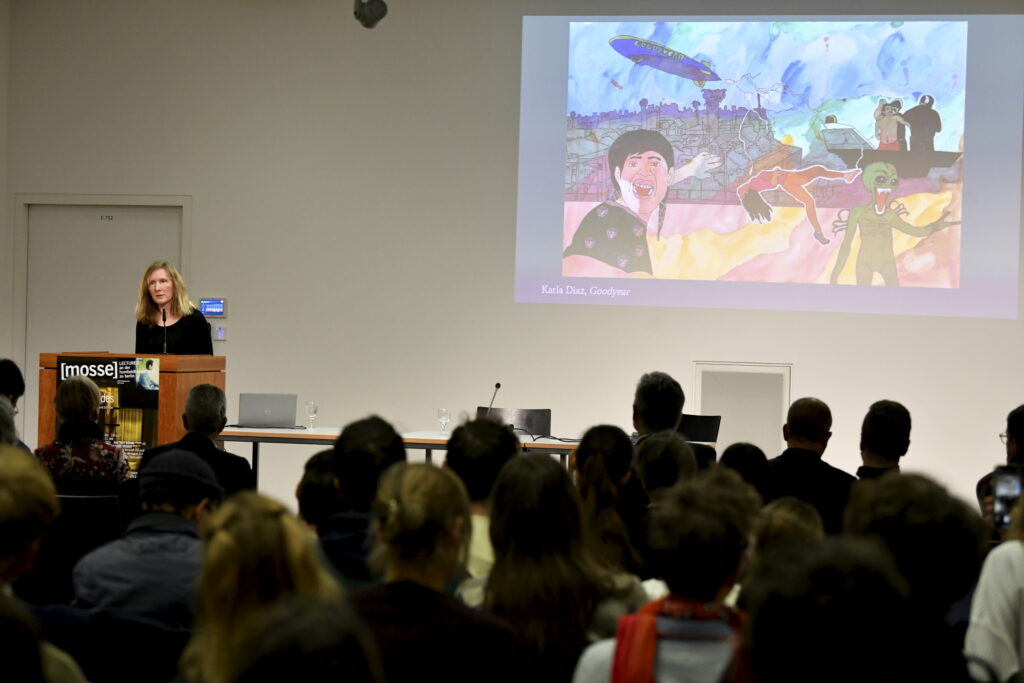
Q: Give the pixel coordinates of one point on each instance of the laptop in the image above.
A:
(267, 410)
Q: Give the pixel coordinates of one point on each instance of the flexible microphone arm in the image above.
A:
(497, 385)
(163, 317)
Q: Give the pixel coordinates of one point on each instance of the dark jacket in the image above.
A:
(233, 471)
(803, 474)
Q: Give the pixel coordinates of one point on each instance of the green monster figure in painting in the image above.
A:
(876, 222)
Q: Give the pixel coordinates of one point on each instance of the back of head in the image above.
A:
(362, 452)
(477, 451)
(603, 460)
(809, 419)
(662, 459)
(704, 454)
(178, 479)
(300, 639)
(318, 498)
(699, 532)
(749, 461)
(28, 504)
(886, 430)
(784, 523)
(77, 398)
(12, 382)
(206, 409)
(832, 611)
(658, 402)
(419, 507)
(938, 541)
(8, 431)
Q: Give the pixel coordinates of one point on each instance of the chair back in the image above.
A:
(700, 428)
(534, 422)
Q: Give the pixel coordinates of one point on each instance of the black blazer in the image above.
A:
(233, 471)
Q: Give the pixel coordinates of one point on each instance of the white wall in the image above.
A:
(354, 198)
(6, 235)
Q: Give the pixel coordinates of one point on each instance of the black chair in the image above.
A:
(85, 523)
(700, 428)
(532, 422)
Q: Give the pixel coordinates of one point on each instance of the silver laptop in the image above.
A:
(267, 410)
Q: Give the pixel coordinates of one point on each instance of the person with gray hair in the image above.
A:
(204, 418)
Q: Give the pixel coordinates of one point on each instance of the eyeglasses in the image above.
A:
(1003, 437)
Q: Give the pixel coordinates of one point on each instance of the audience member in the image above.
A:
(423, 534)
(28, 505)
(300, 639)
(834, 611)
(12, 387)
(204, 418)
(79, 461)
(476, 452)
(1013, 438)
(884, 439)
(149, 575)
(657, 404)
(704, 454)
(546, 580)
(616, 519)
(316, 492)
(254, 552)
(995, 634)
(751, 463)
(8, 432)
(938, 543)
(662, 459)
(699, 534)
(23, 661)
(362, 452)
(800, 470)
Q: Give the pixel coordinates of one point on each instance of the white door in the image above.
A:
(84, 268)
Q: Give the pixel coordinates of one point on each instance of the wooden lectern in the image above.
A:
(178, 374)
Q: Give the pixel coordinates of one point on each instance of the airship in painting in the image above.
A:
(655, 55)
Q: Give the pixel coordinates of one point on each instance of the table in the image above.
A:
(326, 436)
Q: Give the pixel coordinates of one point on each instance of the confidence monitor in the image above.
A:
(852, 164)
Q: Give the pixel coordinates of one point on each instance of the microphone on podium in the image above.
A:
(163, 317)
(497, 385)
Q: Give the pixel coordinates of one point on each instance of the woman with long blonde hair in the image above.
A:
(254, 552)
(166, 321)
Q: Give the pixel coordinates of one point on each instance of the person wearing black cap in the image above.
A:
(149, 574)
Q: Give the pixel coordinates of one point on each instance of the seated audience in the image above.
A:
(699, 534)
(615, 514)
(316, 493)
(149, 575)
(884, 439)
(938, 543)
(995, 634)
(1013, 438)
(662, 459)
(28, 505)
(424, 528)
(79, 461)
(362, 452)
(800, 470)
(8, 432)
(476, 452)
(12, 387)
(301, 639)
(204, 418)
(254, 552)
(704, 454)
(546, 580)
(749, 461)
(19, 634)
(657, 404)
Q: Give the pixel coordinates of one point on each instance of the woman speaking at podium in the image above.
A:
(166, 321)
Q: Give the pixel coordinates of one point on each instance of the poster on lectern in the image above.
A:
(129, 392)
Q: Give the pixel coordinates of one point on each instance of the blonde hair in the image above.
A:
(28, 504)
(254, 552)
(784, 521)
(418, 506)
(181, 305)
(77, 397)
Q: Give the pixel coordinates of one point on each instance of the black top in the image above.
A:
(803, 474)
(865, 472)
(233, 471)
(615, 235)
(422, 634)
(189, 336)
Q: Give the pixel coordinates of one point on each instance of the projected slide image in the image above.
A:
(769, 152)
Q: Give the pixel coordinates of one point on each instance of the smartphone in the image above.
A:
(1006, 487)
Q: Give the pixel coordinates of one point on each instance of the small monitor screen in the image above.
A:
(217, 308)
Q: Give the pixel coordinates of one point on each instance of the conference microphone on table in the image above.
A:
(497, 385)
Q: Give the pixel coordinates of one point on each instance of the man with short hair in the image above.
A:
(1013, 437)
(800, 471)
(657, 403)
(12, 386)
(884, 439)
(477, 451)
(149, 574)
(204, 417)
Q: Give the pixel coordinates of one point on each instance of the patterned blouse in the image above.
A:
(79, 454)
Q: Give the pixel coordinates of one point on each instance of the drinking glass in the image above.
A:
(444, 416)
(311, 411)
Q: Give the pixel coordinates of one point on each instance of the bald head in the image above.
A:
(808, 424)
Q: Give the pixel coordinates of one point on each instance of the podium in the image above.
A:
(177, 376)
